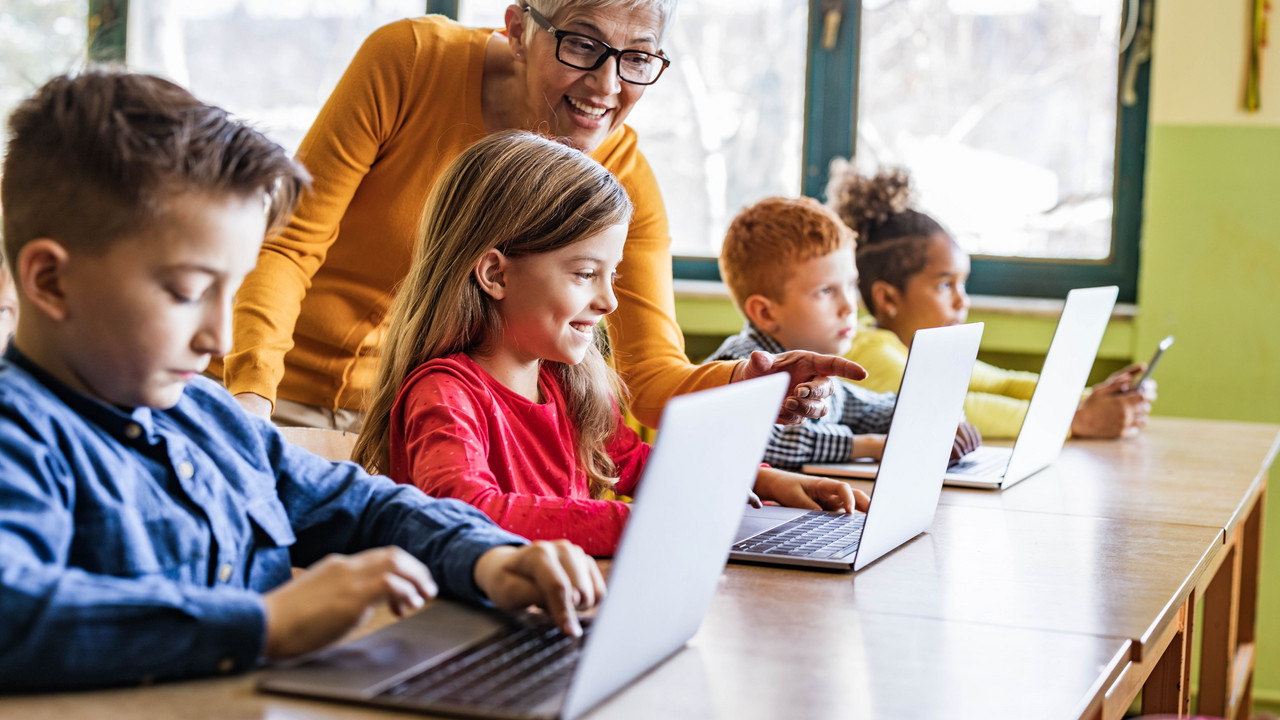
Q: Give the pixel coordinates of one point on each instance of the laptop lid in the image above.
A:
(1084, 319)
(916, 452)
(921, 434)
(667, 566)
(1076, 340)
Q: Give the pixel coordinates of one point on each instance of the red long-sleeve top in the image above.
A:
(457, 432)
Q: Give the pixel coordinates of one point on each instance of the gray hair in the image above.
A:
(549, 8)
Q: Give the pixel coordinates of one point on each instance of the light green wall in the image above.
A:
(1211, 274)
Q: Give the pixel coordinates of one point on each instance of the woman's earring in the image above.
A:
(891, 312)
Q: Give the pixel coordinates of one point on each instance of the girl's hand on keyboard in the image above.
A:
(808, 492)
(555, 575)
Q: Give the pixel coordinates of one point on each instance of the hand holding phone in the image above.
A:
(1151, 366)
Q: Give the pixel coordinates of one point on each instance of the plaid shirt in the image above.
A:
(853, 411)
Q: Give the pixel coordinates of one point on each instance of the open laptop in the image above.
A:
(662, 579)
(916, 451)
(1053, 403)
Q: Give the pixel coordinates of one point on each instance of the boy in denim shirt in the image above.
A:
(147, 524)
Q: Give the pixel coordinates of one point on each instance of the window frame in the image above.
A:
(831, 95)
(830, 131)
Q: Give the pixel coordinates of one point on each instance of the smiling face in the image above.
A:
(143, 318)
(818, 309)
(933, 297)
(584, 106)
(551, 302)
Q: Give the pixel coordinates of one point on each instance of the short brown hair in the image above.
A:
(767, 239)
(97, 155)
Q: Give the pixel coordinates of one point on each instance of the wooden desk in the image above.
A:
(746, 662)
(1191, 472)
(1061, 597)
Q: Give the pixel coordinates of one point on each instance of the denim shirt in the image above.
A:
(135, 545)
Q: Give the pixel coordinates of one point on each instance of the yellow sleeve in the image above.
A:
(647, 344)
(338, 150)
(882, 355)
(995, 416)
(998, 381)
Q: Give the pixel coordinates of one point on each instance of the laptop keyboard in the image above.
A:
(817, 535)
(982, 464)
(516, 670)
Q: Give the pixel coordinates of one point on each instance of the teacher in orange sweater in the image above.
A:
(309, 321)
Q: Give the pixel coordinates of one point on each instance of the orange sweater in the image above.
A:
(309, 320)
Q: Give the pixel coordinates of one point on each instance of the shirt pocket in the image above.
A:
(269, 560)
(125, 543)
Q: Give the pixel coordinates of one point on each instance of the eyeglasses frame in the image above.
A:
(609, 51)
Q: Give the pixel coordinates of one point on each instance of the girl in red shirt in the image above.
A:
(493, 387)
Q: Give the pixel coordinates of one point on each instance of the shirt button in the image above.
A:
(226, 666)
(185, 470)
(224, 573)
(133, 431)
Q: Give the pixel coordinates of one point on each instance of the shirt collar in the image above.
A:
(114, 420)
(763, 339)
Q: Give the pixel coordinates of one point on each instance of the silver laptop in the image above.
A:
(1053, 403)
(906, 493)
(451, 659)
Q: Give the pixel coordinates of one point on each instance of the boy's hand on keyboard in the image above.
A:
(810, 374)
(337, 594)
(967, 440)
(555, 575)
(808, 492)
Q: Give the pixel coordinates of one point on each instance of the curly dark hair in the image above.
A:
(893, 239)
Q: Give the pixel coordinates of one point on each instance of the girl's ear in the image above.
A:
(887, 301)
(515, 19)
(760, 311)
(38, 275)
(489, 273)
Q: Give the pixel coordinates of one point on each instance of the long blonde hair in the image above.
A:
(521, 194)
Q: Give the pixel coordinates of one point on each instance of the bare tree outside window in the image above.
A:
(273, 62)
(38, 40)
(1003, 111)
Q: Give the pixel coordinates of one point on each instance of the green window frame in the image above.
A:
(831, 131)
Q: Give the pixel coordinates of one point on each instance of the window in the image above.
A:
(1005, 111)
(37, 41)
(229, 52)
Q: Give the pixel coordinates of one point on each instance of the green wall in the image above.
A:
(1211, 274)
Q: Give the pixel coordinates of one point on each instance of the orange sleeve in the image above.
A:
(647, 344)
(338, 150)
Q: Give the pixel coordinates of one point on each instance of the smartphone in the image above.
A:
(1151, 366)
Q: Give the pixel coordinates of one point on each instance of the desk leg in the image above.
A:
(1217, 653)
(1230, 612)
(1241, 702)
(1166, 689)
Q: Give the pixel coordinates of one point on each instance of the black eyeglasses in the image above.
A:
(584, 52)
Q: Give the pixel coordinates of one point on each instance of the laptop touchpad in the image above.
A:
(757, 520)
